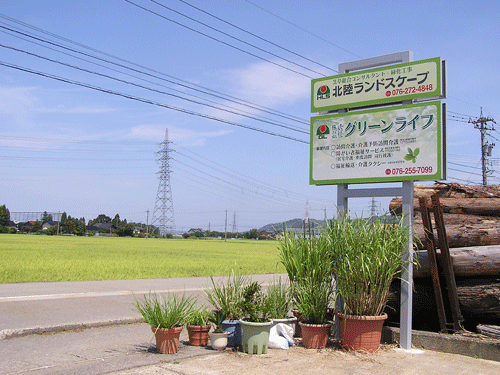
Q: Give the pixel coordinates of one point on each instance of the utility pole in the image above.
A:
(373, 208)
(147, 224)
(225, 228)
(234, 222)
(482, 124)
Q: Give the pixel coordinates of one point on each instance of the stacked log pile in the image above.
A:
(472, 222)
(471, 213)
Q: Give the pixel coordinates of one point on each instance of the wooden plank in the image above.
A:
(431, 251)
(447, 267)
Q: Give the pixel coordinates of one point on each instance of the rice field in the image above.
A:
(36, 258)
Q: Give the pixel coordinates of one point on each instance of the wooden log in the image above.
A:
(467, 206)
(455, 190)
(479, 299)
(463, 235)
(466, 261)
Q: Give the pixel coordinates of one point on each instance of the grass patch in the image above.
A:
(32, 258)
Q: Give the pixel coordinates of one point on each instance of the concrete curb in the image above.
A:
(483, 348)
(13, 333)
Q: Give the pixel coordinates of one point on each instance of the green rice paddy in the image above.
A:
(35, 258)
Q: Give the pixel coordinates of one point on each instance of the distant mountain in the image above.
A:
(291, 224)
(298, 224)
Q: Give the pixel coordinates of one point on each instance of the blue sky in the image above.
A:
(67, 147)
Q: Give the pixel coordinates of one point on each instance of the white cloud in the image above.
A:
(157, 133)
(269, 84)
(89, 109)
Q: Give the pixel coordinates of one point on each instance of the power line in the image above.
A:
(482, 124)
(185, 84)
(147, 101)
(233, 37)
(301, 28)
(218, 40)
(155, 90)
(256, 36)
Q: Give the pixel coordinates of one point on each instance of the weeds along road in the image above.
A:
(44, 307)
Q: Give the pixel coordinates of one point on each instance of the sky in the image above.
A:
(89, 88)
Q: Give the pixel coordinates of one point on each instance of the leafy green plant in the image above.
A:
(313, 301)
(255, 305)
(227, 297)
(366, 256)
(217, 317)
(304, 258)
(165, 312)
(279, 298)
(199, 316)
(412, 155)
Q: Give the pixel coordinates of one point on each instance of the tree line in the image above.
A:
(73, 226)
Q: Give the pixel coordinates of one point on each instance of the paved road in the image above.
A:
(31, 306)
(26, 309)
(125, 349)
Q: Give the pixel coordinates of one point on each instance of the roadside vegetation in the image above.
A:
(31, 258)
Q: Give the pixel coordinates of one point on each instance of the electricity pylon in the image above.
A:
(163, 214)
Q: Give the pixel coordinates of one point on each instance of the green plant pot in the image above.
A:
(255, 337)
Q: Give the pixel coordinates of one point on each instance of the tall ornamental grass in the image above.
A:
(226, 297)
(366, 256)
(165, 312)
(304, 258)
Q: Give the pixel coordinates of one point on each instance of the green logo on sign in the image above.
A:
(323, 92)
(322, 131)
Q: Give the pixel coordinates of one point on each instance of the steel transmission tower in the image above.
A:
(163, 214)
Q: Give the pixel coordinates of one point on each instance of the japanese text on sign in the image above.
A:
(381, 145)
(377, 86)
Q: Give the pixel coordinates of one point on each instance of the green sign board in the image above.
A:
(388, 84)
(378, 145)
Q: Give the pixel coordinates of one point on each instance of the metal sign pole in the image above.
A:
(406, 191)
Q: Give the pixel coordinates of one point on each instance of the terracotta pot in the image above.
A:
(361, 333)
(167, 339)
(218, 340)
(198, 335)
(315, 336)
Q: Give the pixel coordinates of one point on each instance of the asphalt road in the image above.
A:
(44, 330)
(43, 325)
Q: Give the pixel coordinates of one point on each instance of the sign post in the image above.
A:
(387, 144)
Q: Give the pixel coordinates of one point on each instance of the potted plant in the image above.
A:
(255, 323)
(166, 316)
(279, 298)
(218, 338)
(226, 297)
(306, 260)
(366, 256)
(198, 326)
(313, 298)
